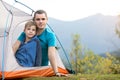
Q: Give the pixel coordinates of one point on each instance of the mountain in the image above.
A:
(97, 32)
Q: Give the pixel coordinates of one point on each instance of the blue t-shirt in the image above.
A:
(47, 39)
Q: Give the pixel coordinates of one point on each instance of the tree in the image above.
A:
(86, 61)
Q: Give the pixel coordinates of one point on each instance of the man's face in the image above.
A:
(40, 20)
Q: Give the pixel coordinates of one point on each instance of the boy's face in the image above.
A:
(30, 31)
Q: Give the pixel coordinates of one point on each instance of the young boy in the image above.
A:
(29, 52)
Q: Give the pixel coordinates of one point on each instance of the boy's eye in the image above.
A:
(28, 28)
(33, 29)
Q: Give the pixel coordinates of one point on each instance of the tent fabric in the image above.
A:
(40, 72)
(12, 22)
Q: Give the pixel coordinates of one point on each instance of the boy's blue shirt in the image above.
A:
(47, 38)
(26, 55)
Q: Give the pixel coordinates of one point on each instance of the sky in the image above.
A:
(69, 10)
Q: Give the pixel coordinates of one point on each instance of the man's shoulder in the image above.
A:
(49, 31)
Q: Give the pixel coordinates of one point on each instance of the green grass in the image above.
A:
(80, 77)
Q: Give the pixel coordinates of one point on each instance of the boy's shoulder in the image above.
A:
(35, 38)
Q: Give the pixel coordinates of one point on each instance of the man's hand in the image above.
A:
(60, 74)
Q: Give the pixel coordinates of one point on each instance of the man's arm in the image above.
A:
(15, 46)
(52, 58)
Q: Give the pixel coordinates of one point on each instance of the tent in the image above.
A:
(12, 21)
